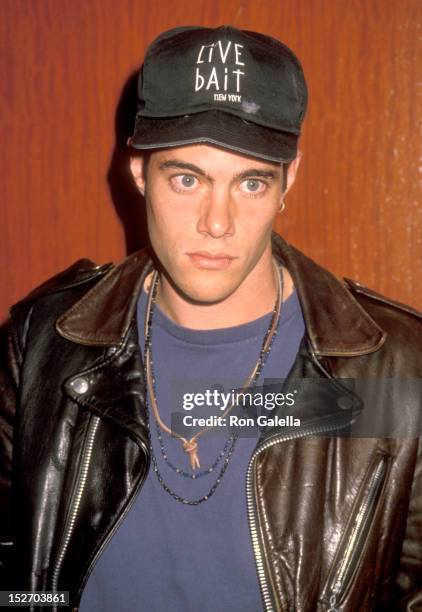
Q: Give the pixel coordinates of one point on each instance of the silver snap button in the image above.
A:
(80, 385)
(345, 402)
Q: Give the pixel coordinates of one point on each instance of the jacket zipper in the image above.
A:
(356, 540)
(115, 527)
(86, 458)
(82, 477)
(277, 439)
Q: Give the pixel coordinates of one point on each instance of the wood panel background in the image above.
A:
(66, 68)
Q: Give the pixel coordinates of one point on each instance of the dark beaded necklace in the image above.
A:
(250, 383)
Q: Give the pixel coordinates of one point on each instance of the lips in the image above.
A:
(210, 261)
(212, 255)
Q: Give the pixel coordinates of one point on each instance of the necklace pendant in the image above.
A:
(191, 447)
(194, 460)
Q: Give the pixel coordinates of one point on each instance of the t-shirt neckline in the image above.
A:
(224, 335)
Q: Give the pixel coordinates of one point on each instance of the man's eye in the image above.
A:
(184, 181)
(253, 186)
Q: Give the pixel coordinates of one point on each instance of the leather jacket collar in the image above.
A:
(342, 329)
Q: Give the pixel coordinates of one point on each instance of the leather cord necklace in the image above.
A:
(190, 446)
(231, 441)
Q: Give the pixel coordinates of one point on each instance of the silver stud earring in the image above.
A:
(282, 206)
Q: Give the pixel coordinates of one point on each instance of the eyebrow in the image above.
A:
(174, 163)
(253, 172)
(245, 174)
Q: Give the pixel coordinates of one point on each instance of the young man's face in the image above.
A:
(210, 214)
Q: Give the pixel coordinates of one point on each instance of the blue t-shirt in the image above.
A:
(167, 556)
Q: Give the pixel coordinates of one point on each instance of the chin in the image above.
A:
(209, 289)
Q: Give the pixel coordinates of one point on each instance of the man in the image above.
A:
(140, 480)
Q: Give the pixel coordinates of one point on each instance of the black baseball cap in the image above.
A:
(236, 89)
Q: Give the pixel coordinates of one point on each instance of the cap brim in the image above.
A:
(217, 128)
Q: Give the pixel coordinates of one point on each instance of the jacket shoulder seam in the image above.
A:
(80, 272)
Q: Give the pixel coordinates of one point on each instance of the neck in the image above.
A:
(254, 297)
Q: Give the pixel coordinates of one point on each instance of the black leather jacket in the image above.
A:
(335, 520)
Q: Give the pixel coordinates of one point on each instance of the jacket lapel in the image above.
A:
(336, 324)
(114, 388)
(104, 314)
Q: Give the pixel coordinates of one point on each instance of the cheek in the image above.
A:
(168, 227)
(259, 224)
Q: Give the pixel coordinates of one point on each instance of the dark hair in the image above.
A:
(285, 169)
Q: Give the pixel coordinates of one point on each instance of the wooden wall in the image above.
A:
(66, 69)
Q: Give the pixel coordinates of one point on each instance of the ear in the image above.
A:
(292, 171)
(137, 168)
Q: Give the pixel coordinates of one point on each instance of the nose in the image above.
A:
(217, 214)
